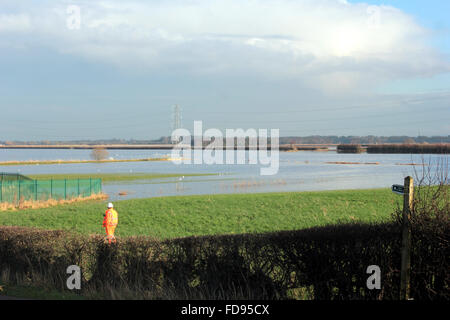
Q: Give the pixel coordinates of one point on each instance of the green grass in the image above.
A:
(169, 217)
(36, 292)
(117, 177)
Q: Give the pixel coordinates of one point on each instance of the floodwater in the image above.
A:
(298, 171)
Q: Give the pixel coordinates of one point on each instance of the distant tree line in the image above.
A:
(317, 139)
(363, 139)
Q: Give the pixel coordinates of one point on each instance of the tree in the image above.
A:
(409, 141)
(99, 154)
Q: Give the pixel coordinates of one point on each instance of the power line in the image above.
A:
(176, 121)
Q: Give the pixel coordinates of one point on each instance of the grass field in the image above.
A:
(170, 217)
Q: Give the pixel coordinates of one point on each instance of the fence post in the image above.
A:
(51, 188)
(78, 187)
(19, 192)
(405, 274)
(65, 189)
(35, 190)
(90, 186)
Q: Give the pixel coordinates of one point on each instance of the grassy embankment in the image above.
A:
(118, 177)
(43, 162)
(171, 217)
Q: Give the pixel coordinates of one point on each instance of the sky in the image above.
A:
(79, 69)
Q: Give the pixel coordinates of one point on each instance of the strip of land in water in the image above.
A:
(346, 162)
(44, 162)
(114, 177)
(89, 146)
(282, 147)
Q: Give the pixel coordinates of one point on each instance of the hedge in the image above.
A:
(329, 261)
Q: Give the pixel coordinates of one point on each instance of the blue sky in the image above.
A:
(325, 67)
(432, 14)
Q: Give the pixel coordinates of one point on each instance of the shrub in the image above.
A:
(430, 221)
(99, 154)
(409, 148)
(331, 260)
(349, 148)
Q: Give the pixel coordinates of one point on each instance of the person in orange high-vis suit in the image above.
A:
(110, 221)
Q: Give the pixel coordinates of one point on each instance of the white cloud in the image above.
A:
(330, 44)
(14, 23)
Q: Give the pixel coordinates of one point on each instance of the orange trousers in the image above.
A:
(110, 233)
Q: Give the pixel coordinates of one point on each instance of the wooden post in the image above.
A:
(19, 191)
(408, 198)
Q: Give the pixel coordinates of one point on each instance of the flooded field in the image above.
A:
(298, 171)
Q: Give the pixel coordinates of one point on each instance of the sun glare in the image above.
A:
(346, 42)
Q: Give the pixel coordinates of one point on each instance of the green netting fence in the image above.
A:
(15, 191)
